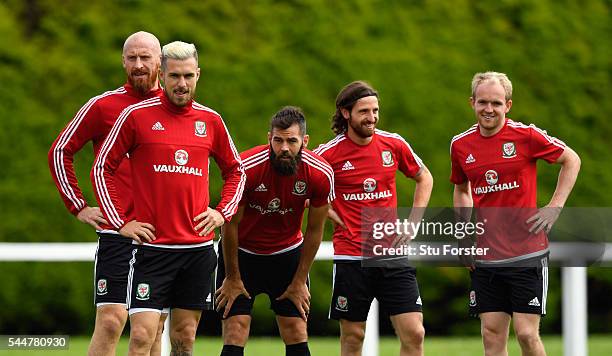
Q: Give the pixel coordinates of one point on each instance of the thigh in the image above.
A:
(152, 273)
(352, 292)
(192, 288)
(489, 291)
(111, 268)
(397, 290)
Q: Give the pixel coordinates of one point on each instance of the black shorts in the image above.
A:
(111, 267)
(355, 286)
(269, 274)
(509, 289)
(171, 278)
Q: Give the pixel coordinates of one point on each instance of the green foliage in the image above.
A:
(255, 58)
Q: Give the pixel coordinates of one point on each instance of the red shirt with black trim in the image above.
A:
(502, 173)
(274, 204)
(365, 178)
(169, 149)
(92, 123)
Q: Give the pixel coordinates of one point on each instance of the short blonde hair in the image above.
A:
(501, 78)
(178, 50)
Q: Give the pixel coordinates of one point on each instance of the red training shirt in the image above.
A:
(502, 173)
(365, 178)
(92, 123)
(169, 148)
(274, 204)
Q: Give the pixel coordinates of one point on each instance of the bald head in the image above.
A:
(142, 39)
(141, 60)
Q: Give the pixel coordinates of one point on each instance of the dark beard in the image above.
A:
(285, 168)
(360, 130)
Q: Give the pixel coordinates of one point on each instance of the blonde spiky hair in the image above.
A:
(178, 50)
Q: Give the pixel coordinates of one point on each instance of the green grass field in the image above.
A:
(599, 345)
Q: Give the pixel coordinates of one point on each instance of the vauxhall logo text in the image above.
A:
(491, 177)
(168, 168)
(367, 196)
(181, 157)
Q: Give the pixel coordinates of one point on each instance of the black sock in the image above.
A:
(232, 350)
(300, 349)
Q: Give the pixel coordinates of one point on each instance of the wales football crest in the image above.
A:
(387, 158)
(509, 150)
(200, 128)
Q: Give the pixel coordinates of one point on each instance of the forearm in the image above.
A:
(230, 251)
(312, 241)
(565, 182)
(463, 203)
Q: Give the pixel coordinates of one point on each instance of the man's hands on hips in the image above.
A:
(138, 231)
(227, 294)
(544, 219)
(209, 220)
(91, 215)
(299, 295)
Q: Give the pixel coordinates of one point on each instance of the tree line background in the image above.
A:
(256, 58)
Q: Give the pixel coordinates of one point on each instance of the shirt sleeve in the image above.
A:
(543, 146)
(457, 174)
(225, 154)
(119, 142)
(409, 162)
(323, 187)
(80, 130)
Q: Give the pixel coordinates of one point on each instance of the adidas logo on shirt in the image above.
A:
(347, 166)
(534, 302)
(418, 301)
(470, 159)
(261, 188)
(158, 127)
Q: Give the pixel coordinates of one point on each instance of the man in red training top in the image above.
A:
(493, 167)
(170, 140)
(365, 161)
(264, 250)
(141, 60)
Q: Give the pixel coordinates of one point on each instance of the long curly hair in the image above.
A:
(346, 99)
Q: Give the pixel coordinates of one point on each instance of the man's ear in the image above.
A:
(345, 113)
(306, 138)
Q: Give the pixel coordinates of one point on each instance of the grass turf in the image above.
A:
(599, 345)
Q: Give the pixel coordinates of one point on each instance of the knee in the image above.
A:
(111, 323)
(352, 338)
(493, 336)
(294, 332)
(141, 336)
(235, 331)
(184, 333)
(413, 337)
(527, 338)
